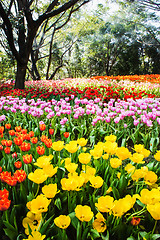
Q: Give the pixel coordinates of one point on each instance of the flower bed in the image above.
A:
(65, 190)
(78, 166)
(104, 88)
(132, 121)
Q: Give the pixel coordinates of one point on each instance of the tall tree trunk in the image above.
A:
(34, 69)
(20, 76)
(50, 54)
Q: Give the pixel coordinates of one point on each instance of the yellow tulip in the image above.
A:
(83, 213)
(73, 183)
(115, 162)
(137, 158)
(157, 156)
(39, 204)
(96, 182)
(139, 173)
(58, 146)
(99, 223)
(129, 168)
(89, 170)
(50, 170)
(50, 190)
(154, 210)
(138, 148)
(150, 197)
(84, 158)
(145, 152)
(82, 141)
(123, 153)
(150, 178)
(33, 220)
(72, 147)
(62, 221)
(105, 156)
(38, 176)
(105, 203)
(110, 147)
(111, 138)
(71, 167)
(43, 161)
(35, 236)
(123, 205)
(96, 152)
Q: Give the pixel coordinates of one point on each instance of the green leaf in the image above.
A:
(92, 139)
(140, 203)
(74, 220)
(130, 238)
(155, 236)
(12, 235)
(94, 234)
(105, 237)
(152, 144)
(30, 125)
(63, 129)
(79, 231)
(20, 236)
(144, 235)
(58, 203)
(12, 215)
(9, 226)
(115, 192)
(123, 144)
(36, 132)
(85, 231)
(102, 131)
(150, 166)
(122, 184)
(45, 226)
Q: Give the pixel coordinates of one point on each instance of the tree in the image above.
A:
(119, 44)
(20, 21)
(151, 4)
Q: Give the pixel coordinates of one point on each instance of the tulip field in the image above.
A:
(80, 159)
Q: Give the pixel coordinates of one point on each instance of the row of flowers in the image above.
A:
(132, 121)
(100, 87)
(153, 78)
(65, 190)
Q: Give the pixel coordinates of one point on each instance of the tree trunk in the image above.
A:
(34, 69)
(20, 76)
(55, 71)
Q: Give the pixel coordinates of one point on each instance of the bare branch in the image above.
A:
(55, 12)
(7, 27)
(51, 6)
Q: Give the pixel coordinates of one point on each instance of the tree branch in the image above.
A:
(10, 5)
(55, 12)
(9, 33)
(51, 6)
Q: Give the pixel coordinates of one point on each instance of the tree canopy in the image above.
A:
(21, 20)
(58, 39)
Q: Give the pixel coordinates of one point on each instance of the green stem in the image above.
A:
(37, 191)
(63, 234)
(85, 168)
(80, 232)
(138, 213)
(154, 228)
(6, 215)
(59, 159)
(68, 201)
